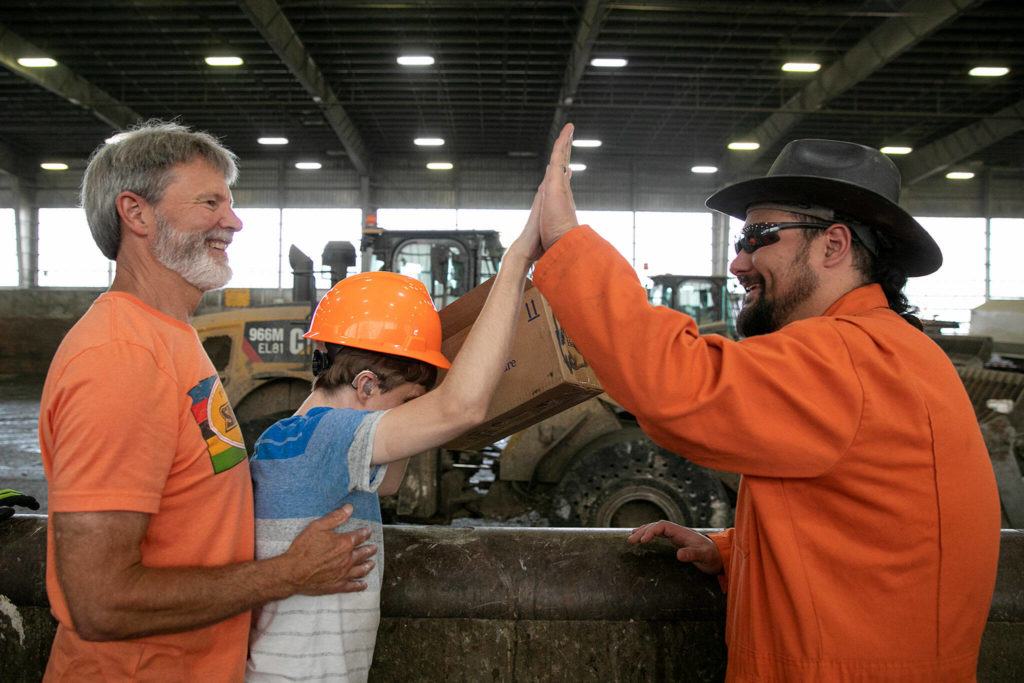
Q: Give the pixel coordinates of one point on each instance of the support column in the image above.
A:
(26, 225)
(719, 243)
(632, 208)
(986, 211)
(369, 208)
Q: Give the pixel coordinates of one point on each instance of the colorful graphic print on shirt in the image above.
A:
(216, 419)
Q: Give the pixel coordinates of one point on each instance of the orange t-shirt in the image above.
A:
(133, 417)
(867, 523)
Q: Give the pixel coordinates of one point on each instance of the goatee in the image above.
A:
(770, 313)
(186, 254)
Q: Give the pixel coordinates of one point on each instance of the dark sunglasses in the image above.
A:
(757, 235)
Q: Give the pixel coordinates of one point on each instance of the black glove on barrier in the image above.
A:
(9, 497)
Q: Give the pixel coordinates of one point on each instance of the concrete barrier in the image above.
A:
(516, 604)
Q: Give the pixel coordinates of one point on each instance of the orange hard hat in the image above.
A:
(383, 312)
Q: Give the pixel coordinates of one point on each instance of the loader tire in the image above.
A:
(267, 404)
(624, 480)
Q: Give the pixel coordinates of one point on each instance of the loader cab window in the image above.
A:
(218, 348)
(490, 259)
(699, 300)
(442, 265)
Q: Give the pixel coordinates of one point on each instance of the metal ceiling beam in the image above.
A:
(64, 82)
(961, 144)
(593, 16)
(916, 21)
(269, 19)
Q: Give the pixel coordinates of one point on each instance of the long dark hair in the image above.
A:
(878, 268)
(893, 279)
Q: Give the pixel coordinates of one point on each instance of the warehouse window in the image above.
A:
(311, 229)
(68, 256)
(959, 285)
(418, 219)
(9, 251)
(253, 254)
(508, 222)
(664, 242)
(1006, 274)
(259, 252)
(674, 243)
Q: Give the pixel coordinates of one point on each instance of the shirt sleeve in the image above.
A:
(363, 475)
(704, 397)
(113, 431)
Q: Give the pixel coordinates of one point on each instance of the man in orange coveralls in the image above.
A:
(867, 522)
(149, 565)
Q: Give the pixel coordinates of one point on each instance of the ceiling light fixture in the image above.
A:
(586, 143)
(272, 141)
(37, 62)
(896, 149)
(308, 165)
(53, 166)
(959, 175)
(608, 62)
(226, 60)
(428, 142)
(989, 71)
(415, 60)
(704, 169)
(440, 166)
(577, 167)
(801, 67)
(744, 145)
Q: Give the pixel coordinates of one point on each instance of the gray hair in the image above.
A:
(141, 161)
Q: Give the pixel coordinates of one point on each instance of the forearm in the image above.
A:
(393, 478)
(694, 394)
(112, 594)
(145, 601)
(477, 369)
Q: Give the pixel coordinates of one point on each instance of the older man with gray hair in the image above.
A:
(150, 569)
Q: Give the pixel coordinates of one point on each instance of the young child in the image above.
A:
(378, 348)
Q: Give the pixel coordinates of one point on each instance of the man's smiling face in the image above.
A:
(195, 224)
(777, 277)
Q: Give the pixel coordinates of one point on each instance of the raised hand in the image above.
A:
(557, 208)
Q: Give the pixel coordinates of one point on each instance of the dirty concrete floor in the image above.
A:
(20, 466)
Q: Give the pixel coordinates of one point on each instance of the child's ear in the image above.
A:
(364, 385)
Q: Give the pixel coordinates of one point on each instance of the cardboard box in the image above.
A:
(544, 375)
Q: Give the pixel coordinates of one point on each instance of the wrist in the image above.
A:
(283, 581)
(515, 259)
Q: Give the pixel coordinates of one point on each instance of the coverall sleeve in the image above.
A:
(785, 404)
(723, 540)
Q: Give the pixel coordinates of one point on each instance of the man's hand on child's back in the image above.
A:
(324, 561)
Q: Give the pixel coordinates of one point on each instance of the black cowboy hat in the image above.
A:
(855, 181)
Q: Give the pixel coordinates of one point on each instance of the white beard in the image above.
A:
(185, 253)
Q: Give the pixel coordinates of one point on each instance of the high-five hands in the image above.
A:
(557, 214)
